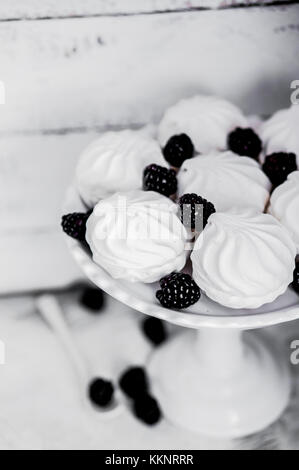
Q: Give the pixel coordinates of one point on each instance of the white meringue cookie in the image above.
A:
(115, 162)
(207, 120)
(243, 260)
(284, 205)
(225, 179)
(280, 132)
(137, 236)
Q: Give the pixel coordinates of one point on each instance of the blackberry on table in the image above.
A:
(93, 299)
(154, 330)
(146, 409)
(134, 382)
(101, 392)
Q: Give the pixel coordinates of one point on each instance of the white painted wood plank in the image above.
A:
(34, 175)
(32, 9)
(32, 261)
(86, 73)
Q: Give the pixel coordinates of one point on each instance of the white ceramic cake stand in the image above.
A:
(216, 377)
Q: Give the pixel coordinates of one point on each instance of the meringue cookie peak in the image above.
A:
(284, 205)
(207, 120)
(225, 179)
(115, 162)
(243, 260)
(137, 236)
(280, 132)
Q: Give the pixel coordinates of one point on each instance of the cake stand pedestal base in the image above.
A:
(220, 382)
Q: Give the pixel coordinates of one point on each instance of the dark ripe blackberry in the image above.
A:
(178, 290)
(195, 211)
(178, 149)
(154, 330)
(134, 382)
(295, 283)
(160, 179)
(92, 299)
(74, 225)
(278, 166)
(245, 142)
(146, 409)
(101, 392)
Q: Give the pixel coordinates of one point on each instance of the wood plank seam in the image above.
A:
(70, 130)
(261, 4)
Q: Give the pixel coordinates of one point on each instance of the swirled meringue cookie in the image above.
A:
(137, 236)
(207, 120)
(243, 260)
(284, 205)
(280, 132)
(225, 179)
(115, 162)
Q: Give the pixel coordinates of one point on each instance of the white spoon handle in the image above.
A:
(51, 311)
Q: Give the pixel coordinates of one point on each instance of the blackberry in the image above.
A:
(245, 142)
(154, 330)
(160, 179)
(146, 408)
(278, 166)
(92, 299)
(295, 283)
(101, 392)
(134, 382)
(178, 290)
(195, 211)
(178, 149)
(74, 225)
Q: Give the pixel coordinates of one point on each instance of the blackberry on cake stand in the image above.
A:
(217, 377)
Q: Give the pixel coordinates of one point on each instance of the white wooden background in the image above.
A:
(73, 68)
(32, 9)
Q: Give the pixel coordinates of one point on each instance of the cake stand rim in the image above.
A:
(180, 318)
